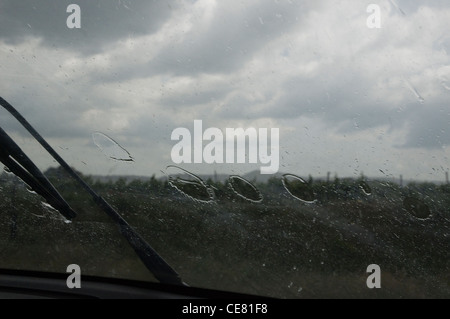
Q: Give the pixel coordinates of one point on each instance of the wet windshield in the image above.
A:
(289, 149)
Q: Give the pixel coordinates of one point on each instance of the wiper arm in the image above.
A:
(14, 158)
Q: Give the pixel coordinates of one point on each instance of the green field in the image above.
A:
(281, 246)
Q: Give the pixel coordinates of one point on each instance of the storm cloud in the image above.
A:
(136, 70)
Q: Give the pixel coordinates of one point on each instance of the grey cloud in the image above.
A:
(336, 97)
(238, 31)
(102, 21)
(340, 99)
(51, 118)
(195, 97)
(429, 125)
(410, 6)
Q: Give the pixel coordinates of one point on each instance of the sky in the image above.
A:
(347, 99)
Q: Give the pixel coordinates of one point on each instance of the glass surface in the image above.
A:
(277, 148)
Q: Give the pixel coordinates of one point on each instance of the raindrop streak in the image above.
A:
(416, 93)
(49, 207)
(7, 170)
(298, 188)
(53, 213)
(30, 190)
(416, 207)
(365, 188)
(446, 85)
(190, 185)
(397, 7)
(245, 189)
(111, 148)
(38, 216)
(27, 187)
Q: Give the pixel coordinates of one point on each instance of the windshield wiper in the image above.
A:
(18, 163)
(16, 160)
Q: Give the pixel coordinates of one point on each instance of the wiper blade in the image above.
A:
(20, 164)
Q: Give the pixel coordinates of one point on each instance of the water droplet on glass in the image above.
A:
(53, 213)
(299, 289)
(49, 208)
(29, 188)
(190, 185)
(397, 7)
(365, 188)
(38, 216)
(416, 207)
(416, 92)
(111, 148)
(446, 85)
(244, 189)
(7, 170)
(31, 191)
(298, 188)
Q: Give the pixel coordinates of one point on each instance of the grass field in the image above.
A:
(280, 247)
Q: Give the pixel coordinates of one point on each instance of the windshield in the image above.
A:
(289, 149)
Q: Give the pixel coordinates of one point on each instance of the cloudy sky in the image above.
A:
(347, 99)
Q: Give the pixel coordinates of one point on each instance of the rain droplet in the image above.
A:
(190, 185)
(245, 189)
(397, 7)
(416, 207)
(261, 20)
(111, 148)
(30, 190)
(38, 216)
(53, 213)
(298, 188)
(49, 207)
(365, 188)
(446, 85)
(416, 93)
(7, 170)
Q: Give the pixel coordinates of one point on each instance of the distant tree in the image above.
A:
(136, 186)
(336, 180)
(120, 185)
(154, 183)
(274, 182)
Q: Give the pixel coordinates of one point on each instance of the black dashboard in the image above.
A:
(19, 284)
